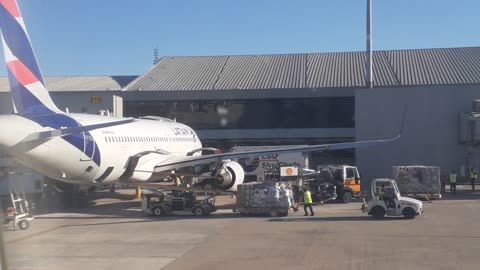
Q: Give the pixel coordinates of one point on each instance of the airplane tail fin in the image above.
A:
(29, 94)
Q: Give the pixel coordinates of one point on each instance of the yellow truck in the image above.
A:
(345, 178)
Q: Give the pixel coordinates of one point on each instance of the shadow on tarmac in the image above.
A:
(462, 194)
(84, 221)
(342, 218)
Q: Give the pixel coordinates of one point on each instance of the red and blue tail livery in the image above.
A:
(30, 96)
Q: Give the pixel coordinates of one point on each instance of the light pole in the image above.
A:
(369, 77)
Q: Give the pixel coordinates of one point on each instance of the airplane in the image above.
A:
(84, 149)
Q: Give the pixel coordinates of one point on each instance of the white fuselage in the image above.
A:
(101, 154)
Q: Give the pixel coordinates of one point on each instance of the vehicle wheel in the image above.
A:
(283, 214)
(158, 211)
(378, 212)
(23, 224)
(409, 213)
(198, 210)
(210, 207)
(347, 197)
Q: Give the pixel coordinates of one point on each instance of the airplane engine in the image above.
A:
(232, 174)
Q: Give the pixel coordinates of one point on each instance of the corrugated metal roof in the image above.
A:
(313, 70)
(183, 73)
(80, 83)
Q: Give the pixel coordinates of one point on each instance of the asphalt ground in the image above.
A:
(115, 234)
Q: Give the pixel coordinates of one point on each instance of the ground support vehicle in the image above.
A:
(183, 202)
(19, 213)
(345, 178)
(387, 201)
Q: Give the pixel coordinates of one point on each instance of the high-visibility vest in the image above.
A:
(178, 182)
(453, 178)
(307, 197)
(473, 175)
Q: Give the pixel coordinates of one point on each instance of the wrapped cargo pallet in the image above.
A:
(264, 198)
(417, 180)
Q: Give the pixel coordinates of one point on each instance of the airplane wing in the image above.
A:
(175, 162)
(172, 162)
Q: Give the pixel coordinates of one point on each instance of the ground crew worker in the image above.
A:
(176, 183)
(473, 177)
(386, 197)
(175, 179)
(453, 182)
(307, 202)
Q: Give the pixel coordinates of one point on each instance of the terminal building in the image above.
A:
(78, 94)
(310, 98)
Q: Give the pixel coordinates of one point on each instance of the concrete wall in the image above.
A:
(431, 129)
(81, 102)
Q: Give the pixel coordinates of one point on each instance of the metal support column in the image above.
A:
(369, 77)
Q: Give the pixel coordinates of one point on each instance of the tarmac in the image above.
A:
(115, 234)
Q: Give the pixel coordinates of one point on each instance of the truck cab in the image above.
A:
(345, 178)
(387, 201)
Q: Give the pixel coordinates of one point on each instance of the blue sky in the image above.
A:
(117, 37)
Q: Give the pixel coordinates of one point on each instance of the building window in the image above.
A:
(325, 112)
